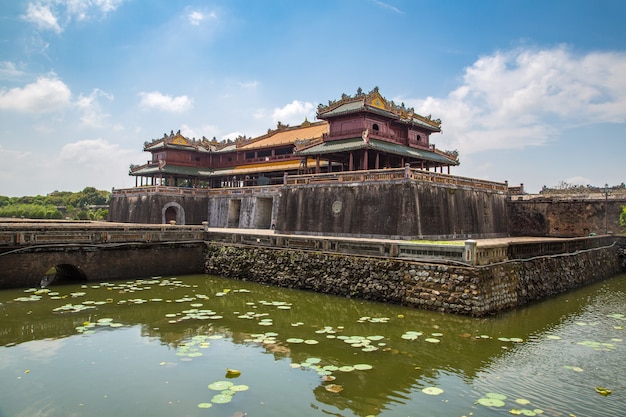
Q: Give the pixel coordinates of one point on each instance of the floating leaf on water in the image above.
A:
(432, 390)
(522, 401)
(516, 340)
(205, 405)
(313, 360)
(222, 399)
(220, 385)
(411, 335)
(333, 388)
(239, 388)
(553, 337)
(603, 391)
(436, 334)
(331, 368)
(294, 340)
(515, 412)
(504, 339)
(432, 340)
(375, 337)
(526, 412)
(363, 367)
(311, 342)
(346, 368)
(490, 402)
(574, 368)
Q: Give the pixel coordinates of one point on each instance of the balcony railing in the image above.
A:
(395, 174)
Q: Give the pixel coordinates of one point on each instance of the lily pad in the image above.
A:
(239, 388)
(432, 340)
(205, 405)
(363, 367)
(333, 388)
(490, 402)
(432, 390)
(220, 385)
(222, 399)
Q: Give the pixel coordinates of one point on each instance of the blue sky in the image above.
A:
(531, 92)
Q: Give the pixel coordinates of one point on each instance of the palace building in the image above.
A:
(365, 168)
(360, 132)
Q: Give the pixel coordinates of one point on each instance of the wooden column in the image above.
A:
(365, 167)
(377, 160)
(351, 165)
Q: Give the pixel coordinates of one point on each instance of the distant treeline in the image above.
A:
(83, 205)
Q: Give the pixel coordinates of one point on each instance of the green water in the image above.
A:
(152, 348)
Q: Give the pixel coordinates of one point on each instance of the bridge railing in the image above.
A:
(77, 233)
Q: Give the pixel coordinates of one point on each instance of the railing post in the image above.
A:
(406, 171)
(284, 178)
(469, 253)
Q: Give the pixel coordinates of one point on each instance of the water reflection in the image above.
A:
(161, 317)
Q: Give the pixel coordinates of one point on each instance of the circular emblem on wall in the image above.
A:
(337, 206)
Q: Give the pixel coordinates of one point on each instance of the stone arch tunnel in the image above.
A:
(28, 266)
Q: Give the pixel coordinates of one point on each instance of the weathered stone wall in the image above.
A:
(148, 208)
(462, 290)
(394, 209)
(564, 217)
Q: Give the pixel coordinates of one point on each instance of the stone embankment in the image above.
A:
(475, 291)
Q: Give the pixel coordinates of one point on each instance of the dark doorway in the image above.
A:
(63, 274)
(170, 214)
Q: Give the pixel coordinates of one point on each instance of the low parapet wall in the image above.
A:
(475, 291)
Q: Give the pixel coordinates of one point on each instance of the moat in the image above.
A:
(161, 346)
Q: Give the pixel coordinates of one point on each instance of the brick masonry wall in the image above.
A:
(452, 289)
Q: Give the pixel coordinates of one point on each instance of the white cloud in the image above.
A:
(8, 69)
(578, 180)
(157, 100)
(83, 9)
(251, 84)
(44, 95)
(92, 113)
(388, 6)
(207, 131)
(526, 97)
(196, 17)
(294, 112)
(54, 14)
(92, 162)
(42, 17)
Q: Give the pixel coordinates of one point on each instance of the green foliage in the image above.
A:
(81, 205)
(622, 217)
(30, 211)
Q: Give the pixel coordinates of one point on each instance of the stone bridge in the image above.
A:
(90, 251)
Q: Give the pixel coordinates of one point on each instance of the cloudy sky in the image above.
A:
(529, 91)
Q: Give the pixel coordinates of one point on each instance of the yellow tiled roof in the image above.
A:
(289, 135)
